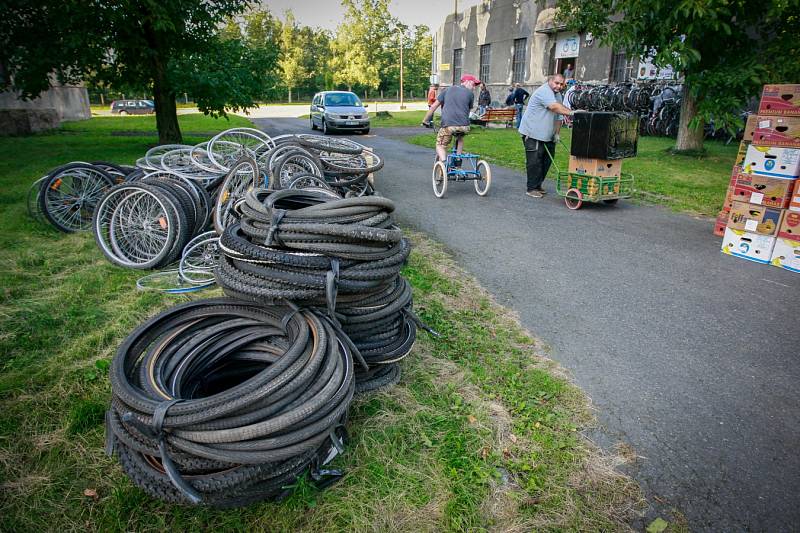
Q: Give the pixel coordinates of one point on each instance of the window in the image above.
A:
(518, 65)
(620, 69)
(342, 99)
(486, 55)
(458, 56)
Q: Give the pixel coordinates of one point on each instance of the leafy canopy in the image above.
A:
(169, 46)
(726, 49)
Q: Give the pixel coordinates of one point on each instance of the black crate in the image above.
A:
(604, 135)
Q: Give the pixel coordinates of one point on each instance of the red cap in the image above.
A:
(469, 77)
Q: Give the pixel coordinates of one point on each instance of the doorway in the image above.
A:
(562, 63)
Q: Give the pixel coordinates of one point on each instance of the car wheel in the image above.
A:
(313, 126)
(364, 132)
(123, 112)
(325, 129)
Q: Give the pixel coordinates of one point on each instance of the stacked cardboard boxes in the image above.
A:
(760, 219)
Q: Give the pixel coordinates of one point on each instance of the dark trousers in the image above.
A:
(537, 162)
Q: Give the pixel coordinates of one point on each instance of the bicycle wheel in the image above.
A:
(330, 144)
(70, 194)
(439, 179)
(306, 181)
(34, 191)
(200, 258)
(170, 282)
(229, 146)
(243, 177)
(482, 185)
(136, 225)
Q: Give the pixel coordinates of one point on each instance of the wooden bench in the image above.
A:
(502, 114)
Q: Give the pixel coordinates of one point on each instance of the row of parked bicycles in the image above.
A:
(658, 105)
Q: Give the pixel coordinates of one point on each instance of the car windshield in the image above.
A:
(342, 99)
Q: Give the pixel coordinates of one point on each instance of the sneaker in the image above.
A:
(535, 193)
(540, 190)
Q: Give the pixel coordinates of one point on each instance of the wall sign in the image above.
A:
(568, 45)
(444, 66)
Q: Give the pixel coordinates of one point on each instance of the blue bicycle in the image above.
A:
(461, 167)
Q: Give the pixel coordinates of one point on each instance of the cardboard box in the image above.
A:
(790, 226)
(747, 245)
(605, 168)
(763, 190)
(780, 100)
(750, 128)
(794, 203)
(742, 153)
(755, 218)
(721, 222)
(774, 162)
(786, 254)
(777, 131)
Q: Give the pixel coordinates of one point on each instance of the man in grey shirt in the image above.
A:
(456, 103)
(539, 129)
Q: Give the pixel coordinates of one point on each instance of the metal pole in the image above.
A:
(401, 70)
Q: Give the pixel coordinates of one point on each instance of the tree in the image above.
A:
(167, 46)
(725, 49)
(359, 51)
(292, 55)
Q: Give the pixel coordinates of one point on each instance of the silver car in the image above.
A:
(338, 110)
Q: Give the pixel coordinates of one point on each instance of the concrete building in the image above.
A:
(508, 41)
(48, 110)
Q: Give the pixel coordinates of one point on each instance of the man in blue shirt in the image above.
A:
(539, 128)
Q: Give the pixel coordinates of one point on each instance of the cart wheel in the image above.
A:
(573, 199)
(439, 179)
(611, 201)
(482, 185)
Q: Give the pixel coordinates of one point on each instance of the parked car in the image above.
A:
(133, 107)
(338, 110)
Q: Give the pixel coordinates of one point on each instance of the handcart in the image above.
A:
(577, 187)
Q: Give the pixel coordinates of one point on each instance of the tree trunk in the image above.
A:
(689, 140)
(169, 132)
(290, 95)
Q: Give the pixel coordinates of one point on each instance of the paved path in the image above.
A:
(691, 357)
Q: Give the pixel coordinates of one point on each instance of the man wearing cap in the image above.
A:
(539, 129)
(456, 103)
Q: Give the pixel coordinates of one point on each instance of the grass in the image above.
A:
(399, 118)
(483, 432)
(145, 124)
(690, 184)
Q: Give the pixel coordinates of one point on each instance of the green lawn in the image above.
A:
(483, 432)
(399, 118)
(692, 184)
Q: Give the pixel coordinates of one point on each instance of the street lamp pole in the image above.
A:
(401, 69)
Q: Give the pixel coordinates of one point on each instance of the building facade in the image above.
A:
(509, 41)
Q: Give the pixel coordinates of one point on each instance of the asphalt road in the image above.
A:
(690, 357)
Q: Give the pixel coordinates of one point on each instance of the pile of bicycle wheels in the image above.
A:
(228, 401)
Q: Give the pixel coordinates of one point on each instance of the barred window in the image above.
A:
(458, 56)
(620, 67)
(486, 56)
(518, 65)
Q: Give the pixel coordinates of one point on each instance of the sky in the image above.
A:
(328, 13)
